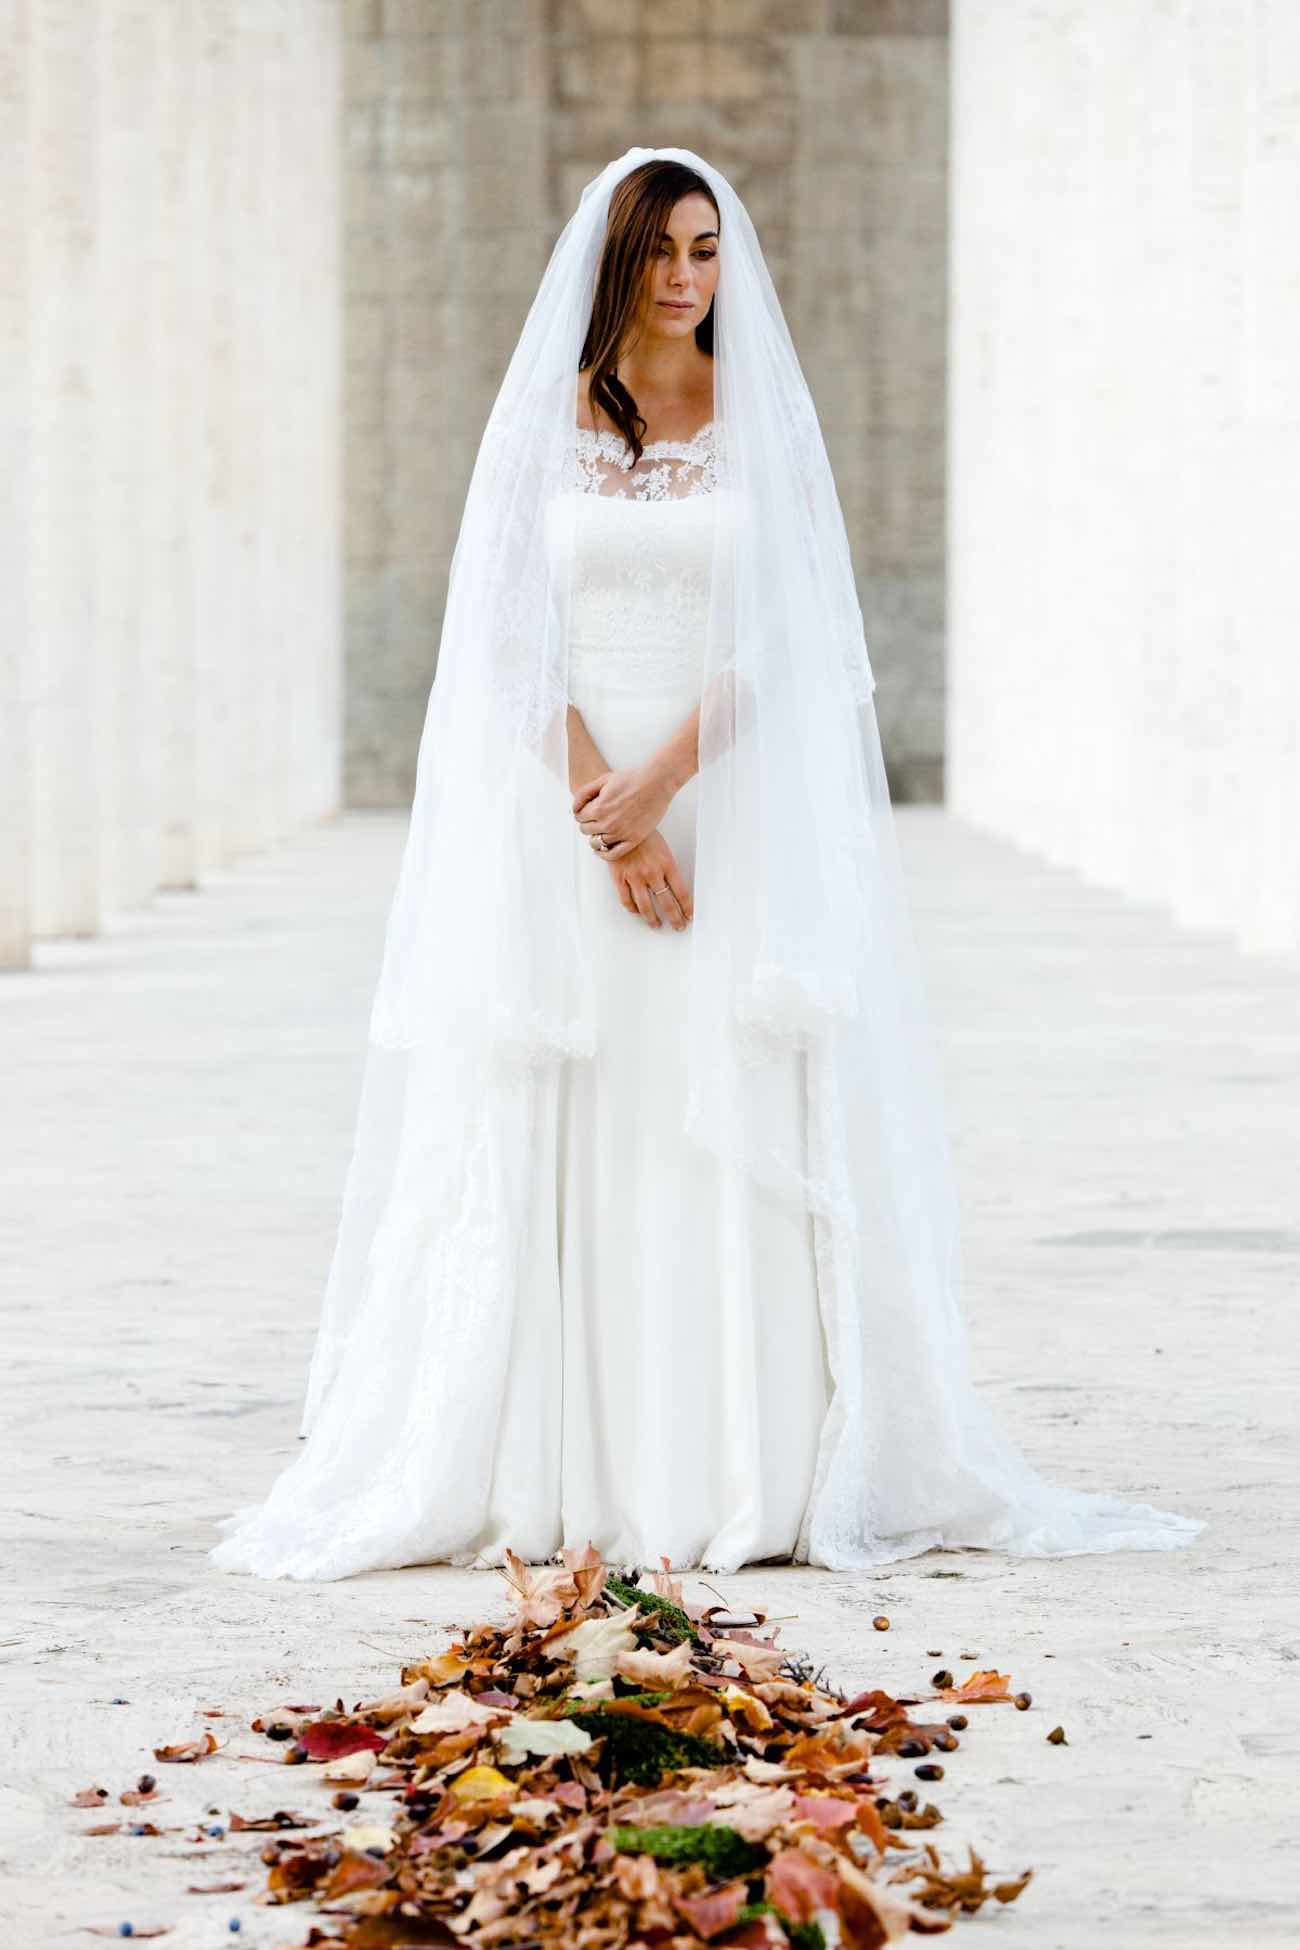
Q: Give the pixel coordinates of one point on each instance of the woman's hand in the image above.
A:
(650, 884)
(624, 806)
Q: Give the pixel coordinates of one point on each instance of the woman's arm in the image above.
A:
(586, 761)
(627, 804)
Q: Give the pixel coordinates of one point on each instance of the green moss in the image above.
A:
(723, 1852)
(670, 1621)
(804, 1936)
(643, 1750)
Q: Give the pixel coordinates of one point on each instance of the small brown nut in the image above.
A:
(1024, 1701)
(939, 1680)
(958, 1720)
(929, 1770)
(1057, 1737)
(880, 1622)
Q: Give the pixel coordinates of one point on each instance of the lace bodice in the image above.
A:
(637, 545)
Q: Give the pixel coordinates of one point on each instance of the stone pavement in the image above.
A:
(1124, 1102)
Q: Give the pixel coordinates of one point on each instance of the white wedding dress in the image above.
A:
(668, 1379)
(568, 1323)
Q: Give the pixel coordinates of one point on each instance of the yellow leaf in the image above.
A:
(481, 1784)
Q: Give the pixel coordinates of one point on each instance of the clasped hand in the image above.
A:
(624, 807)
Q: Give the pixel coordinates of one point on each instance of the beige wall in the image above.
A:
(169, 398)
(471, 129)
(1125, 473)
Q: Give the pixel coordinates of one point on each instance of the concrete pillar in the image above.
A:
(16, 673)
(1124, 438)
(126, 650)
(66, 777)
(169, 334)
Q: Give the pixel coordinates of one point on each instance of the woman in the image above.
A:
(649, 1237)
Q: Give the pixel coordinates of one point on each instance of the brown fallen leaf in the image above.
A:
(282, 1818)
(188, 1750)
(91, 1797)
(213, 1888)
(980, 1687)
(101, 1929)
(104, 1828)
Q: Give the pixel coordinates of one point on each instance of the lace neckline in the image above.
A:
(610, 441)
(667, 470)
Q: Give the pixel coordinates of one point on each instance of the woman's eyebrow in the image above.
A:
(665, 236)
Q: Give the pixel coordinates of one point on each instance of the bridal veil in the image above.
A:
(800, 941)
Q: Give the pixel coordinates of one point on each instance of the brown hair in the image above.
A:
(639, 209)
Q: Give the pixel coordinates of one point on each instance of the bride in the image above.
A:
(650, 1232)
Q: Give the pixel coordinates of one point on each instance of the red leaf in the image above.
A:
(332, 1739)
(797, 1885)
(709, 1915)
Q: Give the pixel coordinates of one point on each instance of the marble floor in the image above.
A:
(1124, 1102)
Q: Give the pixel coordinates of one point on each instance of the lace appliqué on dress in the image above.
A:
(668, 470)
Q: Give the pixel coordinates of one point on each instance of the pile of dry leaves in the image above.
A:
(614, 1767)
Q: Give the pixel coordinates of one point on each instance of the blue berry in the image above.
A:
(126, 1929)
(216, 1829)
(234, 1924)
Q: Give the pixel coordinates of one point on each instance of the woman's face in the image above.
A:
(683, 273)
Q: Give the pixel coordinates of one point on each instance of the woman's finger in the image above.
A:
(681, 892)
(670, 907)
(645, 903)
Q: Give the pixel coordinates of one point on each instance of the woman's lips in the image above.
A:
(676, 304)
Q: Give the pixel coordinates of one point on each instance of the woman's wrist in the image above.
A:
(671, 767)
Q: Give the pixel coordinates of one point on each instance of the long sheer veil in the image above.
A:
(800, 941)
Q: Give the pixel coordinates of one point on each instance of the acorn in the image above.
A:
(891, 1815)
(959, 1721)
(1057, 1737)
(146, 1784)
(1024, 1701)
(930, 1770)
(279, 1731)
(946, 1742)
(909, 1749)
(907, 1798)
(880, 1622)
(941, 1679)
(346, 1800)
